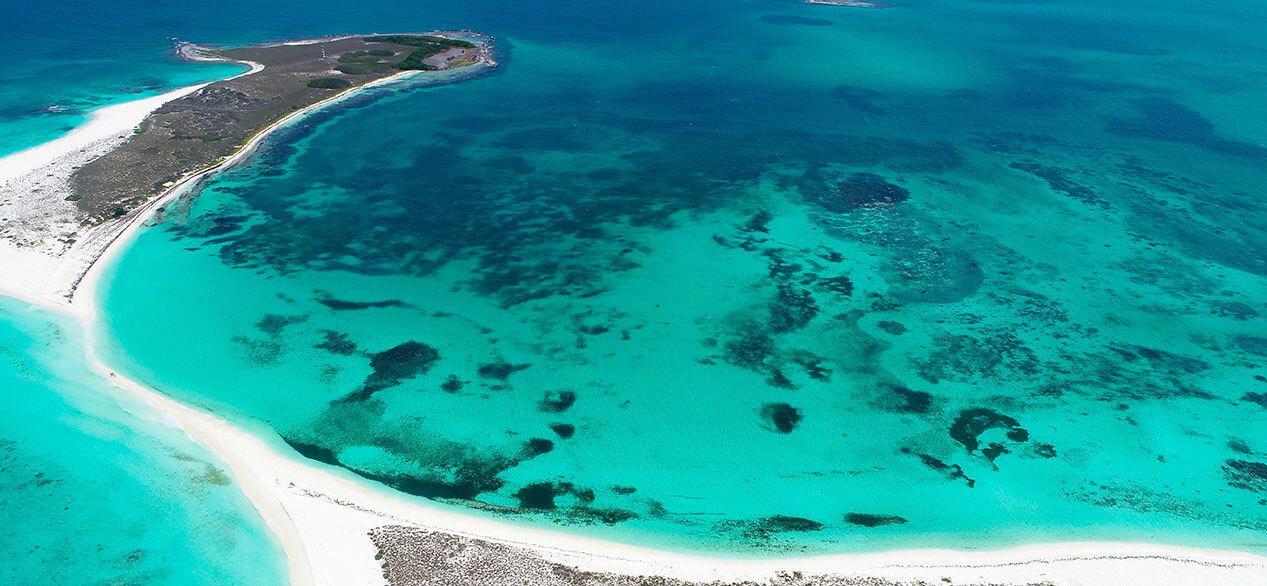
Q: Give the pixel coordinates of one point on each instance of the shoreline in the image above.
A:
(320, 516)
(37, 267)
(133, 222)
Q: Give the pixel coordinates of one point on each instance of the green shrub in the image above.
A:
(365, 56)
(427, 46)
(419, 41)
(415, 62)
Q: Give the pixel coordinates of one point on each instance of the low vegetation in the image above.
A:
(372, 56)
(329, 83)
(426, 46)
(364, 68)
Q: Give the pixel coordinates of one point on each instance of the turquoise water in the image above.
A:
(96, 489)
(761, 277)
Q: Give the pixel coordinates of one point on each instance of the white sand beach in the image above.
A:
(321, 515)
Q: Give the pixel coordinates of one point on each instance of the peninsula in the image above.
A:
(210, 125)
(63, 203)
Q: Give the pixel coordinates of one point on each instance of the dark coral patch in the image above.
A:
(604, 516)
(758, 222)
(259, 351)
(1045, 451)
(1252, 344)
(342, 305)
(813, 365)
(994, 450)
(538, 495)
(792, 309)
(314, 452)
(787, 524)
(1061, 181)
(430, 488)
(393, 365)
(1259, 399)
(563, 430)
(1161, 359)
(1167, 120)
(464, 479)
(557, 401)
(891, 327)
(840, 285)
(537, 446)
(869, 520)
(862, 190)
(782, 416)
(910, 401)
(751, 349)
(964, 357)
(273, 324)
(1246, 474)
(452, 384)
(950, 471)
(500, 370)
(971, 423)
(336, 343)
(401, 361)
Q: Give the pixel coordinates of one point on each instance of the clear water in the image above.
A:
(97, 490)
(798, 278)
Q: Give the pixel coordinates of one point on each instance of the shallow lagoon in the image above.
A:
(995, 277)
(96, 489)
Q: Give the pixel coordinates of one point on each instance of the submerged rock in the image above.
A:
(500, 370)
(782, 416)
(538, 495)
(869, 520)
(862, 190)
(1246, 474)
(392, 366)
(971, 423)
(563, 430)
(557, 401)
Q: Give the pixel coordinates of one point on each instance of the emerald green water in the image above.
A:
(762, 277)
(97, 489)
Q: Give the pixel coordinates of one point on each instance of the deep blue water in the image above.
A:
(745, 275)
